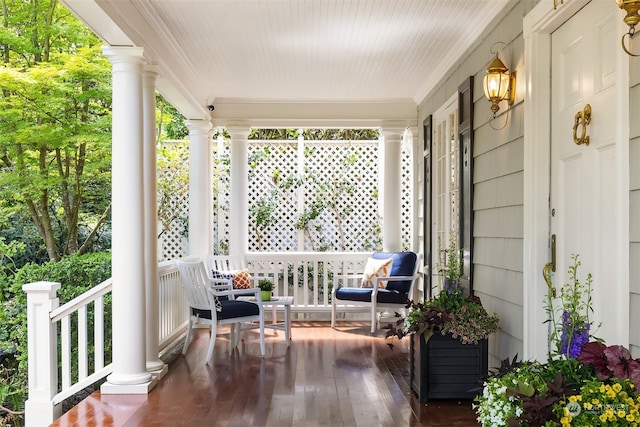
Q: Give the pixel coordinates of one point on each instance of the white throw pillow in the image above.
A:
(376, 268)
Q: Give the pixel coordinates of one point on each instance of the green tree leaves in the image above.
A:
(55, 125)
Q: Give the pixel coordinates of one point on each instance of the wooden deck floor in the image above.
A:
(343, 377)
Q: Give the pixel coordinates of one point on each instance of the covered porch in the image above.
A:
(507, 197)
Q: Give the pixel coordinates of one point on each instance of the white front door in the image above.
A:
(587, 192)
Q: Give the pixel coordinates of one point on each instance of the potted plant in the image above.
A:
(583, 383)
(266, 287)
(449, 348)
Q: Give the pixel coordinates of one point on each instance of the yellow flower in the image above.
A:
(587, 405)
(617, 388)
(597, 401)
(611, 393)
(565, 421)
(630, 418)
(602, 388)
(621, 414)
(603, 417)
(573, 398)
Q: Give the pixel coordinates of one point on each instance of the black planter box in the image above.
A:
(444, 368)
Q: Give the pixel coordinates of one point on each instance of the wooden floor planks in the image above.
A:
(327, 377)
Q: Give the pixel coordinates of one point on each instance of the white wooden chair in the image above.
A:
(206, 307)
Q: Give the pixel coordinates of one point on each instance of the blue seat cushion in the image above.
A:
(203, 314)
(364, 294)
(404, 264)
(233, 308)
(230, 308)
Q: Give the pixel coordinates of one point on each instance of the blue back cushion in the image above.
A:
(403, 265)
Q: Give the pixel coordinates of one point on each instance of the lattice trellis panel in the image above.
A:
(407, 193)
(351, 222)
(173, 198)
(286, 176)
(273, 171)
(221, 195)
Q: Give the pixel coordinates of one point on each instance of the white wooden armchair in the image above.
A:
(207, 304)
(394, 294)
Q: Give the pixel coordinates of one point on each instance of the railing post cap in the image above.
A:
(41, 287)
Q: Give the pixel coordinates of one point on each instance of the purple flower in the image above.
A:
(575, 334)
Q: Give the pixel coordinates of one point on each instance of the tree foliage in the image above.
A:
(315, 134)
(55, 125)
(169, 121)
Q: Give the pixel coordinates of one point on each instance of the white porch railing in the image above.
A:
(49, 339)
(173, 310)
(307, 276)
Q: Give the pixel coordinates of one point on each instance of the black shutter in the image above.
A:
(427, 205)
(465, 138)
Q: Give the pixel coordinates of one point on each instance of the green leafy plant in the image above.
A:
(615, 403)
(265, 285)
(581, 384)
(450, 312)
(501, 399)
(451, 266)
(570, 325)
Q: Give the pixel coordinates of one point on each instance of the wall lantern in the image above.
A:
(499, 83)
(631, 19)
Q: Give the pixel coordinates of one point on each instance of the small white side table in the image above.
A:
(274, 304)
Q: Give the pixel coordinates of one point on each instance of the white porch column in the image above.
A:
(200, 188)
(239, 206)
(392, 189)
(129, 375)
(154, 364)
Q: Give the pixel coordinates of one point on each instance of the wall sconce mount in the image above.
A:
(499, 83)
(632, 18)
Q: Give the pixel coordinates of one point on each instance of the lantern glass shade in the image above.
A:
(496, 83)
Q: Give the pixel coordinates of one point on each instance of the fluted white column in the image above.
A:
(239, 206)
(154, 364)
(129, 318)
(200, 188)
(392, 189)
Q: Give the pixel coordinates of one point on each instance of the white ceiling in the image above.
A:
(301, 51)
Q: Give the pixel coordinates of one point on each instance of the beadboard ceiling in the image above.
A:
(212, 51)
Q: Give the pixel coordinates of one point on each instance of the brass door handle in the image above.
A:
(582, 118)
(550, 266)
